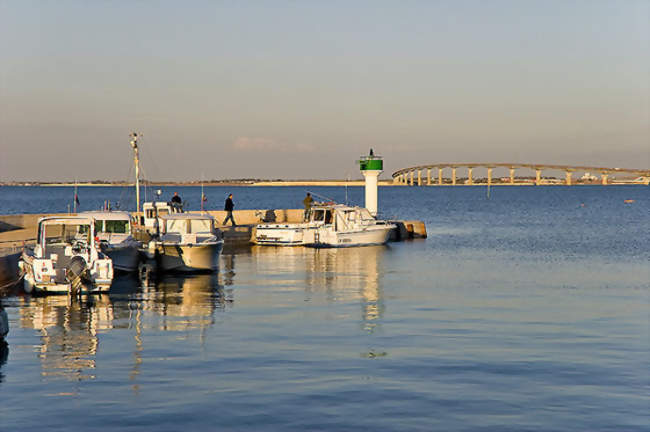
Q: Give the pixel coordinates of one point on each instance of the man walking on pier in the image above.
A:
(228, 207)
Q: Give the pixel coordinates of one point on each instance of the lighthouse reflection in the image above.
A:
(346, 274)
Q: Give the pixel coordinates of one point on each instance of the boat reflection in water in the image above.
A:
(342, 274)
(68, 330)
(4, 354)
(71, 329)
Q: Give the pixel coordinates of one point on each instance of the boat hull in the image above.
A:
(188, 258)
(34, 285)
(328, 238)
(125, 258)
(280, 235)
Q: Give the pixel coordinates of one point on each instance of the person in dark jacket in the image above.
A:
(228, 207)
(177, 203)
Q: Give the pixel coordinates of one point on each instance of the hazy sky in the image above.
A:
(300, 89)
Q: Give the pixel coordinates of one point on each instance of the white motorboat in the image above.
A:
(67, 257)
(188, 242)
(113, 230)
(329, 225)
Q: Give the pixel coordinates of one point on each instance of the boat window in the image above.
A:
(150, 213)
(59, 234)
(200, 225)
(328, 217)
(351, 215)
(176, 226)
(99, 226)
(365, 214)
(319, 215)
(117, 226)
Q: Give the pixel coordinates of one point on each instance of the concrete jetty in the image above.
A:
(17, 231)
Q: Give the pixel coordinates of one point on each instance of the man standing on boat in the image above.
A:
(228, 207)
(307, 202)
(177, 203)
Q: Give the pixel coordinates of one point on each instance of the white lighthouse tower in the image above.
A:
(371, 167)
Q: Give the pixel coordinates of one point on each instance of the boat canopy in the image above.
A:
(188, 223)
(67, 220)
(64, 229)
(108, 215)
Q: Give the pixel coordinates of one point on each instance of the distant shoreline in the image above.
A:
(279, 183)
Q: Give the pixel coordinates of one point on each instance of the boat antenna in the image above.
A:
(136, 161)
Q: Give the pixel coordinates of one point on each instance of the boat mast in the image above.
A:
(136, 161)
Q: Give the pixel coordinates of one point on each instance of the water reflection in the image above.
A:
(70, 329)
(4, 354)
(345, 274)
(188, 302)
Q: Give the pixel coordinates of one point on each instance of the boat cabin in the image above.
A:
(187, 223)
(109, 223)
(60, 239)
(152, 212)
(342, 216)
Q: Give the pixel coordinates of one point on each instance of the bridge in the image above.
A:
(413, 175)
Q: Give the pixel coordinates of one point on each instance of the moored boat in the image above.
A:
(67, 257)
(189, 242)
(113, 230)
(329, 225)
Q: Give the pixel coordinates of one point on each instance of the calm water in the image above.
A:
(528, 311)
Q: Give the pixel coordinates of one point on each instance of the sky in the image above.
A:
(301, 89)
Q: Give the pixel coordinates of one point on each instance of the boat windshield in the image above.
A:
(113, 226)
(365, 214)
(64, 233)
(200, 225)
(176, 226)
(322, 215)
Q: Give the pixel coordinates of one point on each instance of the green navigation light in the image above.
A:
(371, 162)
